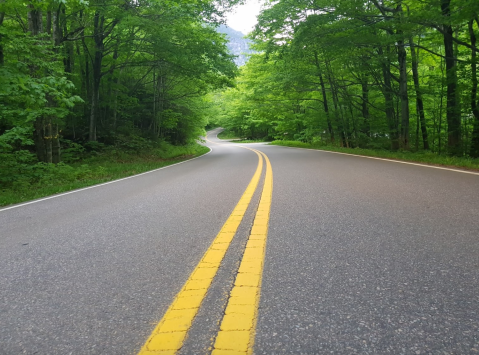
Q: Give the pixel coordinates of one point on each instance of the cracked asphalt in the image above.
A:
(363, 257)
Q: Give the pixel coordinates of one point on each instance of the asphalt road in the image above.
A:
(363, 256)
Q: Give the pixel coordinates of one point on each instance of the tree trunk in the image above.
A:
(338, 114)
(68, 53)
(342, 125)
(162, 101)
(86, 78)
(93, 110)
(389, 101)
(402, 134)
(366, 127)
(403, 95)
(48, 141)
(474, 103)
(96, 72)
(55, 147)
(115, 101)
(419, 101)
(47, 121)
(403, 90)
(35, 27)
(38, 138)
(453, 116)
(325, 98)
(441, 108)
(112, 91)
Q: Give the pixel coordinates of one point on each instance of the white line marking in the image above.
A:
(390, 160)
(102, 184)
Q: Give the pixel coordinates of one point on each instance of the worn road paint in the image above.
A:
(237, 329)
(171, 331)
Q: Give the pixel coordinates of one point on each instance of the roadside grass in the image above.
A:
(423, 157)
(102, 167)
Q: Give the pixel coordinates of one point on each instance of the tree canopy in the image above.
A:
(378, 74)
(106, 72)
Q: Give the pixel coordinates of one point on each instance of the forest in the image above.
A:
(87, 86)
(104, 79)
(390, 75)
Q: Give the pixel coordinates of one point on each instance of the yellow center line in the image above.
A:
(170, 333)
(238, 327)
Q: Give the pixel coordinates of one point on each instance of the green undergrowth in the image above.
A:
(227, 135)
(31, 181)
(231, 135)
(423, 157)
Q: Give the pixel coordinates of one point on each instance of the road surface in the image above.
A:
(351, 256)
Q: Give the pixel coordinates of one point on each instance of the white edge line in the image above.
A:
(102, 184)
(390, 160)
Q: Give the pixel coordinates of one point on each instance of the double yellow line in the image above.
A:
(237, 328)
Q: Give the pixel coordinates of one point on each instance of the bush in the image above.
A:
(95, 147)
(133, 143)
(71, 151)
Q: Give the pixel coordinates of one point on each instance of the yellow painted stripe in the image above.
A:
(237, 329)
(171, 331)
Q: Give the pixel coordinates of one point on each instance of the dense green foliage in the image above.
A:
(395, 75)
(77, 76)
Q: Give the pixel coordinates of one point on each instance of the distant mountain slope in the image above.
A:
(237, 44)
